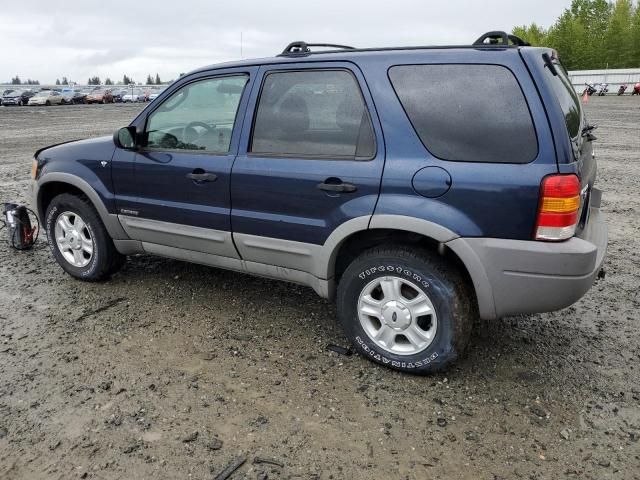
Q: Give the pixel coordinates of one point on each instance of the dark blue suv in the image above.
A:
(420, 188)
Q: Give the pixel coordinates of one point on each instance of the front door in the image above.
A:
(310, 160)
(182, 171)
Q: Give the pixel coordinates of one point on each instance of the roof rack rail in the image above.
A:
(302, 48)
(501, 39)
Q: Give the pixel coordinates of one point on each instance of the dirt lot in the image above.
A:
(173, 370)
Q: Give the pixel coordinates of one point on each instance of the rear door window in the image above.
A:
(313, 113)
(471, 113)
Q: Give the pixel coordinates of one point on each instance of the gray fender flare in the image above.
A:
(326, 261)
(110, 221)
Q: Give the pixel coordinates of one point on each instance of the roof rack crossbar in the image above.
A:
(501, 39)
(303, 48)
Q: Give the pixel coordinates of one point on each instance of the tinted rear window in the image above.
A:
(472, 113)
(313, 113)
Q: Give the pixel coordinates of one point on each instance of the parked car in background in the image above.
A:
(135, 95)
(72, 96)
(155, 93)
(17, 97)
(46, 97)
(118, 93)
(100, 96)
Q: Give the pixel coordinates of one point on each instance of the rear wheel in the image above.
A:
(406, 309)
(78, 239)
(48, 103)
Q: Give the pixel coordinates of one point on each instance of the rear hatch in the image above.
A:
(574, 135)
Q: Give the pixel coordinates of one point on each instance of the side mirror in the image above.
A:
(125, 138)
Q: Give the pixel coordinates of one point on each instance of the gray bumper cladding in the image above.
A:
(518, 277)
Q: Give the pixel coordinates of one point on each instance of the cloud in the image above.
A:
(137, 38)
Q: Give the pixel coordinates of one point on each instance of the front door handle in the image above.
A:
(202, 177)
(337, 186)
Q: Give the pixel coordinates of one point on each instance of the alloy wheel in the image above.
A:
(74, 239)
(397, 315)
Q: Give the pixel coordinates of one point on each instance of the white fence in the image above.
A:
(615, 78)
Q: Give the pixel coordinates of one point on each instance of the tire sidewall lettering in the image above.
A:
(373, 354)
(397, 270)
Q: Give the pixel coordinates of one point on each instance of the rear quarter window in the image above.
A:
(567, 98)
(470, 113)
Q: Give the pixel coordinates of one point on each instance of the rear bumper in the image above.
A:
(521, 277)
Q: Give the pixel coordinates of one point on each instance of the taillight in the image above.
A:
(558, 208)
(34, 169)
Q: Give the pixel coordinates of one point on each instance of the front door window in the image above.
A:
(198, 117)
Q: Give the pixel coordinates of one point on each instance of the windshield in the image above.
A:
(43, 94)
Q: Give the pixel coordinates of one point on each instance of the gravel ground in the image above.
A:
(173, 370)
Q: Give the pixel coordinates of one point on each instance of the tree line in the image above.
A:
(16, 81)
(592, 35)
(126, 80)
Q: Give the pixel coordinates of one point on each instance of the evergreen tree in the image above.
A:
(592, 34)
(634, 41)
(158, 82)
(149, 80)
(108, 81)
(16, 80)
(65, 81)
(57, 81)
(617, 40)
(533, 34)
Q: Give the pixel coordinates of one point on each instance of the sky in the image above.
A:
(44, 40)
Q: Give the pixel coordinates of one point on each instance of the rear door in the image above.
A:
(180, 196)
(310, 160)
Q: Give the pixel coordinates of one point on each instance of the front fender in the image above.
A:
(58, 180)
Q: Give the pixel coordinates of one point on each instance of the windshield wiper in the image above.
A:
(588, 129)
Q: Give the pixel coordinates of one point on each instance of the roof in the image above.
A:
(297, 51)
(351, 56)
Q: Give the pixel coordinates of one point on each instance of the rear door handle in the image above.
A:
(340, 187)
(202, 177)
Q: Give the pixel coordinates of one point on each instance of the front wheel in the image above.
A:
(406, 308)
(78, 239)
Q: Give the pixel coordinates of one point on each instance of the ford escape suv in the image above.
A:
(419, 188)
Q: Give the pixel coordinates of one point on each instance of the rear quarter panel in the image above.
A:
(485, 199)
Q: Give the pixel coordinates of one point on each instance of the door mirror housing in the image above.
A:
(126, 138)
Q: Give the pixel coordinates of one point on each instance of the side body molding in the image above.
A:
(304, 263)
(110, 220)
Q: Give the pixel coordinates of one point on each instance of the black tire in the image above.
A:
(446, 288)
(48, 103)
(105, 260)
